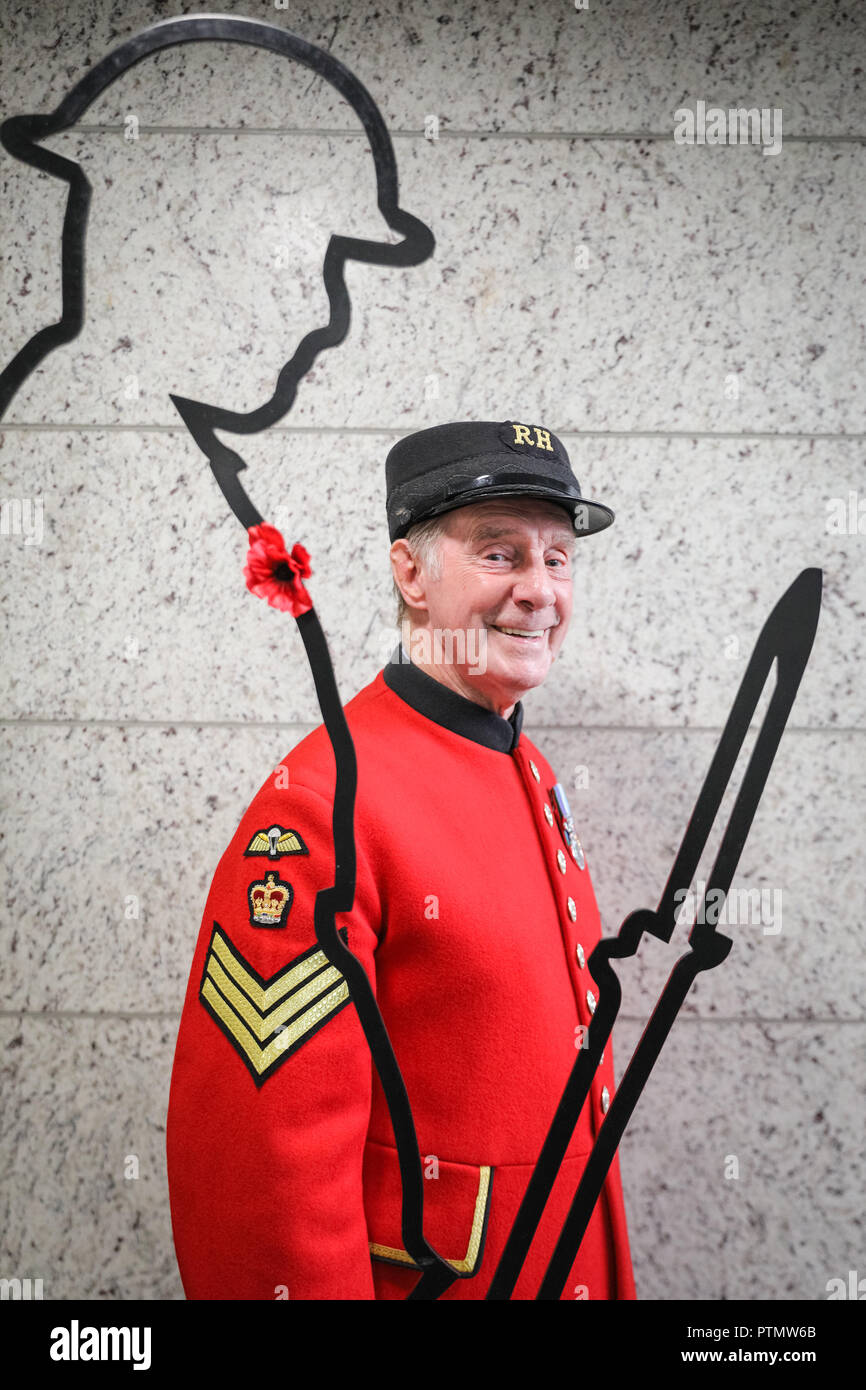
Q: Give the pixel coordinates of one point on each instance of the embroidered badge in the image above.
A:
(270, 901)
(266, 1020)
(527, 439)
(275, 842)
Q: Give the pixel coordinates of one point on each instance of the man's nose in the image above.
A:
(533, 584)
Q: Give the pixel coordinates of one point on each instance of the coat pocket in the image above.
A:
(456, 1208)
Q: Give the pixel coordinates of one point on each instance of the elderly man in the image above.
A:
(474, 917)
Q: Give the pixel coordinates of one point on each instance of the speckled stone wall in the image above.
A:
(688, 317)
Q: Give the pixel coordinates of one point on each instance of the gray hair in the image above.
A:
(424, 540)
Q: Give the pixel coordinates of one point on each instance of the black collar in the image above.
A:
(450, 710)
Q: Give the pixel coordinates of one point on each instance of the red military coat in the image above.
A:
(474, 924)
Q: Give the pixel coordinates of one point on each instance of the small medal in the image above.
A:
(566, 825)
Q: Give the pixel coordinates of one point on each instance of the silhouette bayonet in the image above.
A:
(786, 639)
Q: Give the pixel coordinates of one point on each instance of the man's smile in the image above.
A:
(523, 634)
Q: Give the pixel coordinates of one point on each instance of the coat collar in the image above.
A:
(445, 707)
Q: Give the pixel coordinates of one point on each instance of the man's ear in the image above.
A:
(408, 575)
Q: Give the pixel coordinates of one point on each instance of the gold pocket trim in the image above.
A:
(479, 1219)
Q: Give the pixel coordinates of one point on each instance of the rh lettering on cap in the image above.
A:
(528, 437)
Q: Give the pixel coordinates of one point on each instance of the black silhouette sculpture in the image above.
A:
(785, 640)
(20, 136)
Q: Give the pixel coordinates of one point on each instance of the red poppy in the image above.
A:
(274, 574)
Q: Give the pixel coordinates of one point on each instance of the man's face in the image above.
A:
(505, 571)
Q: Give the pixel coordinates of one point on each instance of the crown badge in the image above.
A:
(270, 901)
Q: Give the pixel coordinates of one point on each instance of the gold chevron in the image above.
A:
(264, 997)
(249, 1010)
(467, 1264)
(262, 1025)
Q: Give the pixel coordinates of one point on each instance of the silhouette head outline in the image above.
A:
(21, 136)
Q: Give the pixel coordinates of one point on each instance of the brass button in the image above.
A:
(572, 909)
(534, 770)
(579, 952)
(591, 1001)
(561, 861)
(548, 814)
(605, 1099)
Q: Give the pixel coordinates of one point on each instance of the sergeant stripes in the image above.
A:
(267, 1020)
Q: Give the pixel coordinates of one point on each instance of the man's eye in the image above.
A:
(495, 555)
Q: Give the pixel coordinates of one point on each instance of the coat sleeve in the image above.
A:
(271, 1085)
